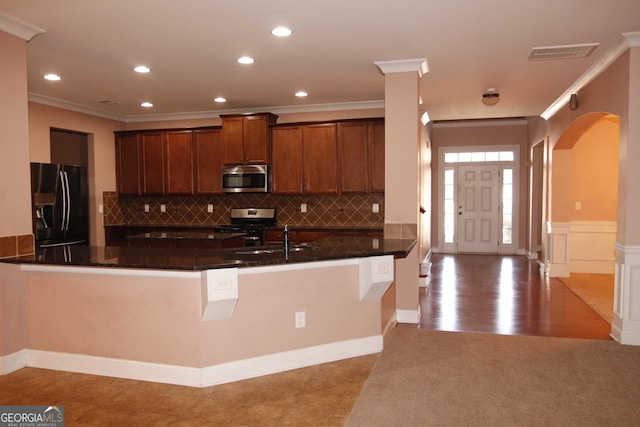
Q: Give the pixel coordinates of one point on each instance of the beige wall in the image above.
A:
(101, 151)
(594, 181)
(15, 181)
(13, 327)
(615, 91)
(151, 318)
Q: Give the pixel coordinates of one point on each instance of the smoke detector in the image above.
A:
(490, 97)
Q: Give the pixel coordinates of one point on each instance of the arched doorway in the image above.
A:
(584, 203)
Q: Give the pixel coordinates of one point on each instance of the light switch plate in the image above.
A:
(375, 207)
(210, 208)
(303, 208)
(300, 319)
(146, 208)
(163, 208)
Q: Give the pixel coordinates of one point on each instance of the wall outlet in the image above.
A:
(146, 207)
(100, 208)
(163, 208)
(210, 208)
(375, 207)
(300, 319)
(578, 206)
(303, 208)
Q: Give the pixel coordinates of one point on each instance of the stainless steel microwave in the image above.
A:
(246, 179)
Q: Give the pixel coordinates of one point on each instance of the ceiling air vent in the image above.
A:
(105, 101)
(562, 52)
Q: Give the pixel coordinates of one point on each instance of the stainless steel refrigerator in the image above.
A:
(59, 196)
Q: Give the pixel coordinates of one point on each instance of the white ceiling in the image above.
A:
(192, 45)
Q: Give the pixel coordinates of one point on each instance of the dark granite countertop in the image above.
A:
(327, 228)
(332, 248)
(185, 235)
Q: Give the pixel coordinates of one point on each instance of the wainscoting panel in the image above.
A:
(592, 247)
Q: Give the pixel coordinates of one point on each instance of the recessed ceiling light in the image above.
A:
(301, 94)
(220, 99)
(281, 32)
(146, 104)
(52, 77)
(246, 60)
(142, 69)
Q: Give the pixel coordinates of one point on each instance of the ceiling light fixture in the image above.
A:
(490, 97)
(281, 32)
(246, 60)
(301, 94)
(220, 99)
(146, 104)
(52, 77)
(142, 69)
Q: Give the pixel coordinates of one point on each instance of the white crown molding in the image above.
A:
(18, 28)
(418, 65)
(480, 123)
(287, 109)
(195, 115)
(617, 48)
(632, 39)
(66, 105)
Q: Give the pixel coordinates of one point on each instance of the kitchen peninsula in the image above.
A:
(202, 317)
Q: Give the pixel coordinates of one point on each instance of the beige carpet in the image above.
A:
(594, 289)
(433, 378)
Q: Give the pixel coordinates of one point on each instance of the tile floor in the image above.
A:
(321, 395)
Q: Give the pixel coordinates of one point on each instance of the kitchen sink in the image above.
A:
(272, 249)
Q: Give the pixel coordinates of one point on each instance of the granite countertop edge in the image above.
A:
(208, 259)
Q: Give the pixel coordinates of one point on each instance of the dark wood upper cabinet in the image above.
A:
(179, 162)
(320, 159)
(286, 160)
(209, 153)
(128, 163)
(376, 157)
(341, 157)
(247, 138)
(353, 144)
(153, 158)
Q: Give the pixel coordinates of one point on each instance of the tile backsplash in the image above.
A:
(329, 210)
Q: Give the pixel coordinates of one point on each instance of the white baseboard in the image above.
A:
(193, 376)
(408, 316)
(14, 361)
(280, 362)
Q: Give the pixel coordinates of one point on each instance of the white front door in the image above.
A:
(478, 212)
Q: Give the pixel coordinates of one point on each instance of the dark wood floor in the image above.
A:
(504, 295)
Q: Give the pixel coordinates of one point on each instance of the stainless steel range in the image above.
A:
(251, 221)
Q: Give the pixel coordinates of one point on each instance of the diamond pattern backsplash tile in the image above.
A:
(329, 210)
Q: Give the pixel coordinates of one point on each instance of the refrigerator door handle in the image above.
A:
(66, 184)
(65, 200)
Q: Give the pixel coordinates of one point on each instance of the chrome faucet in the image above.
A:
(286, 238)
